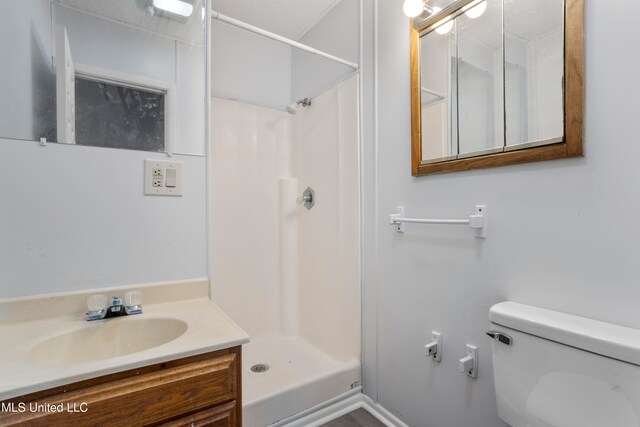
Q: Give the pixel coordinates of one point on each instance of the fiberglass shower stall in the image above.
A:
(290, 276)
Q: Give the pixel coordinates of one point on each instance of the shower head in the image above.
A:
(293, 108)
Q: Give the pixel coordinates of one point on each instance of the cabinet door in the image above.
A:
(145, 399)
(218, 416)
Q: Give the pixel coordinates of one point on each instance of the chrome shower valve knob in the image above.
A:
(308, 198)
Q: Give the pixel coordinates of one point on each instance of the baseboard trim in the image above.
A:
(324, 412)
(378, 411)
(339, 406)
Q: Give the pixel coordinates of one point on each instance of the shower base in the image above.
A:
(299, 376)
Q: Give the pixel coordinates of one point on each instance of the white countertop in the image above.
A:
(209, 329)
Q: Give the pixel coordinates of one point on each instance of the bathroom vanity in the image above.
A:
(176, 364)
(203, 390)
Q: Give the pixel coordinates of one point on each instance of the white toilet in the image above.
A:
(558, 370)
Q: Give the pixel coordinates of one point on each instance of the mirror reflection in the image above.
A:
(480, 83)
(438, 95)
(534, 68)
(109, 73)
(491, 78)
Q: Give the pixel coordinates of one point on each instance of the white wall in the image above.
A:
(326, 135)
(247, 144)
(75, 218)
(249, 68)
(563, 234)
(336, 33)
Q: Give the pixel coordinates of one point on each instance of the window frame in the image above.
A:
(90, 72)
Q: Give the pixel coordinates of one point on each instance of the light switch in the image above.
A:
(162, 178)
(171, 178)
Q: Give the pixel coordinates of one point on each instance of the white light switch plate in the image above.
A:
(155, 178)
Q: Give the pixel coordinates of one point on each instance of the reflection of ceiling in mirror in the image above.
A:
(525, 19)
(134, 13)
(533, 17)
(487, 28)
(288, 18)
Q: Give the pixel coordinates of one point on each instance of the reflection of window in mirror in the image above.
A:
(46, 44)
(489, 85)
(117, 116)
(105, 108)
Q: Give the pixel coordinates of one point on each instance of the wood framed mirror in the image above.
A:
(495, 83)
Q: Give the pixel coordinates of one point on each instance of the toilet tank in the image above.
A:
(561, 370)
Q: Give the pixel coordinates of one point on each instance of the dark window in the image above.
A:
(117, 116)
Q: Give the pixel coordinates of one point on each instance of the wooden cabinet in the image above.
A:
(219, 416)
(203, 390)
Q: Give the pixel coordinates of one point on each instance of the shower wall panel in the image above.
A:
(279, 269)
(326, 136)
(247, 143)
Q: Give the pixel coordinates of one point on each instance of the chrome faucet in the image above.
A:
(99, 309)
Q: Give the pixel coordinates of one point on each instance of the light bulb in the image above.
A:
(445, 28)
(445, 25)
(413, 8)
(476, 10)
(177, 7)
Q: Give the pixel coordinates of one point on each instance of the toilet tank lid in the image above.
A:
(606, 339)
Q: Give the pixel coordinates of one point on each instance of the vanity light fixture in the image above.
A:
(445, 25)
(413, 8)
(177, 9)
(475, 9)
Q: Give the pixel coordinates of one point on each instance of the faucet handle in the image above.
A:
(133, 298)
(97, 303)
(133, 302)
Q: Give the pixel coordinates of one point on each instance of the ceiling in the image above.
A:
(288, 18)
(133, 12)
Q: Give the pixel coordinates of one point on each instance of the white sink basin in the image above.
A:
(107, 339)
